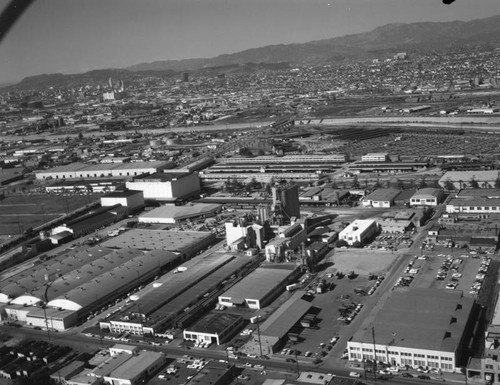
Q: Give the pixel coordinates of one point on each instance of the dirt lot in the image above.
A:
(363, 261)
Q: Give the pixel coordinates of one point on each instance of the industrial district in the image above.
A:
(264, 228)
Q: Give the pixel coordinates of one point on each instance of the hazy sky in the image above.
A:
(78, 35)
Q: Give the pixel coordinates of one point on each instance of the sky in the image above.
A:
(72, 36)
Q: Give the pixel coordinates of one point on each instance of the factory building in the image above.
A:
(259, 287)
(359, 231)
(166, 186)
(420, 327)
(286, 200)
(102, 170)
(252, 235)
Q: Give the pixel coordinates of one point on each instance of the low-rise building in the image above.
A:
(427, 197)
(420, 327)
(359, 231)
(381, 198)
(214, 328)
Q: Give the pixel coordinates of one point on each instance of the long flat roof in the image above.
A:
(74, 167)
(428, 319)
(260, 282)
(144, 239)
(179, 212)
(287, 315)
(214, 323)
(135, 365)
(178, 290)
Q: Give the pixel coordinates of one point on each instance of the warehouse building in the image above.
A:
(184, 243)
(178, 297)
(175, 214)
(301, 159)
(274, 330)
(473, 206)
(214, 328)
(463, 179)
(166, 186)
(360, 230)
(103, 170)
(259, 287)
(419, 327)
(82, 287)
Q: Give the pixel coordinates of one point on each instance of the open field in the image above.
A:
(20, 212)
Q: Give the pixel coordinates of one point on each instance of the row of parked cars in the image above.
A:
(480, 276)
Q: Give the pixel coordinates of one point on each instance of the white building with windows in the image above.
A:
(420, 327)
(359, 231)
(427, 197)
(375, 157)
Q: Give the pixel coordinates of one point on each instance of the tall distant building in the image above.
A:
(286, 200)
(110, 82)
(185, 77)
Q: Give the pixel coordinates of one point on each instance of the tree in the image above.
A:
(474, 183)
(422, 183)
(355, 182)
(245, 151)
(448, 185)
(497, 182)
(342, 243)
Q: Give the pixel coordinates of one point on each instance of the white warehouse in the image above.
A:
(359, 231)
(166, 187)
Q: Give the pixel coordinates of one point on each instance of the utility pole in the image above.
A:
(374, 356)
(258, 334)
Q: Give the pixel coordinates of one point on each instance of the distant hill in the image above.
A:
(380, 42)
(76, 80)
(385, 40)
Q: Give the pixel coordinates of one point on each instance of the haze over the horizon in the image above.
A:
(72, 36)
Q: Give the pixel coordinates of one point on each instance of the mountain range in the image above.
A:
(381, 42)
(388, 39)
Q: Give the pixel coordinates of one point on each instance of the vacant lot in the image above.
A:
(363, 261)
(20, 212)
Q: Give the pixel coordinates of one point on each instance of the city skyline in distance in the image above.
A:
(71, 37)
